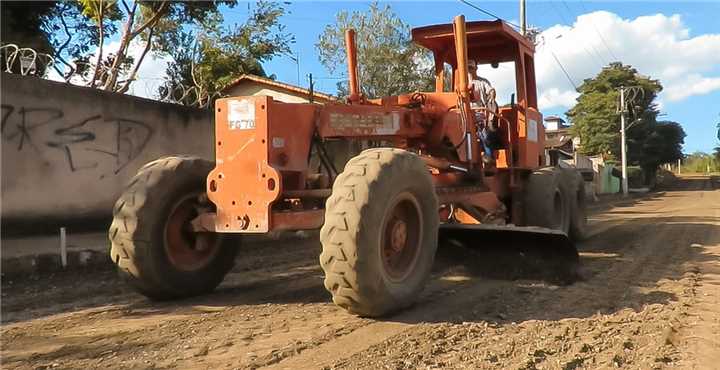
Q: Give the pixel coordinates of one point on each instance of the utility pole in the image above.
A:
(523, 23)
(623, 149)
(312, 88)
(298, 67)
(296, 58)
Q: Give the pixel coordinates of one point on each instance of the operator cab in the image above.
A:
(492, 43)
(488, 42)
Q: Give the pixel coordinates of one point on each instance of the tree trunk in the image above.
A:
(128, 35)
(101, 30)
(131, 78)
(122, 50)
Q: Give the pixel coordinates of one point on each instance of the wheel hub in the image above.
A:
(402, 236)
(398, 235)
(187, 250)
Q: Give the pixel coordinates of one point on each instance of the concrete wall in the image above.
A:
(68, 151)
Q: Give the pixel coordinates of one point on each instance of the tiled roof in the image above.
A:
(278, 85)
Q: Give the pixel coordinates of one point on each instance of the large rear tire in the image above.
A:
(578, 206)
(547, 202)
(380, 233)
(151, 242)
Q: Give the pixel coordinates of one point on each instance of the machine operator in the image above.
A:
(484, 97)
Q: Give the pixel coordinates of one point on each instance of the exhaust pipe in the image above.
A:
(461, 55)
(351, 50)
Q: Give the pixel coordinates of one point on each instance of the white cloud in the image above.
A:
(554, 97)
(694, 84)
(657, 45)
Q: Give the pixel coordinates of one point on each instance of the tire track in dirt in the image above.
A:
(699, 338)
(646, 288)
(634, 309)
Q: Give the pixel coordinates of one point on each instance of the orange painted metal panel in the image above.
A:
(258, 140)
(531, 138)
(350, 121)
(243, 184)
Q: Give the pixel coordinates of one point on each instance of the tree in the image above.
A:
(388, 62)
(595, 119)
(25, 24)
(209, 58)
(156, 23)
(700, 162)
(663, 144)
(56, 28)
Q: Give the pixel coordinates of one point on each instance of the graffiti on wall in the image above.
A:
(83, 144)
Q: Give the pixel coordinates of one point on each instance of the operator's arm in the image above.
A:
(476, 93)
(484, 87)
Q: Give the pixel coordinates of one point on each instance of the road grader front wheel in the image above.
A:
(152, 243)
(380, 233)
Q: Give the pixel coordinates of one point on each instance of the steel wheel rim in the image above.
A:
(401, 237)
(188, 250)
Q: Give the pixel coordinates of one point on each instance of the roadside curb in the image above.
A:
(78, 259)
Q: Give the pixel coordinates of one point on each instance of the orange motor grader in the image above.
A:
(420, 177)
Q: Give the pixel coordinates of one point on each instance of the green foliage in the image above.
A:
(25, 24)
(388, 62)
(662, 144)
(100, 9)
(215, 56)
(700, 162)
(596, 120)
(636, 177)
(57, 28)
(157, 23)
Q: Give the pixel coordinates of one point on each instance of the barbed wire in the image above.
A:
(26, 59)
(193, 96)
(29, 62)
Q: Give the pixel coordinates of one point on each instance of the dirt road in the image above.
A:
(649, 298)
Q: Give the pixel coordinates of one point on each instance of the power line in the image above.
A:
(563, 69)
(597, 56)
(598, 32)
(515, 25)
(487, 12)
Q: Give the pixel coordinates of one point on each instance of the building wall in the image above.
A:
(68, 151)
(551, 125)
(252, 89)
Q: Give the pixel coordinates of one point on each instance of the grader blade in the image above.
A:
(513, 252)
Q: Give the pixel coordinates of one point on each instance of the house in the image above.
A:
(251, 85)
(561, 149)
(559, 142)
(554, 123)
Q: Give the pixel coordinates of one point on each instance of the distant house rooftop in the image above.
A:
(250, 85)
(553, 123)
(557, 141)
(554, 118)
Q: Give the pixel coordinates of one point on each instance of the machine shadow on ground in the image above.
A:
(610, 268)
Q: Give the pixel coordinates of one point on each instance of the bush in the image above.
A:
(636, 177)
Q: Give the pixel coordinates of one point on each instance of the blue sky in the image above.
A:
(675, 42)
(698, 112)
